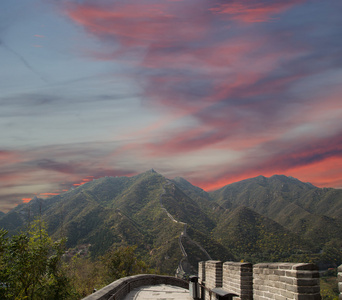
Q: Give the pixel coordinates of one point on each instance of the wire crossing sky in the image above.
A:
(213, 91)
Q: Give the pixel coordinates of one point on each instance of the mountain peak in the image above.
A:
(150, 171)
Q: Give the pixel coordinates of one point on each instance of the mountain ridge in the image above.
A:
(255, 219)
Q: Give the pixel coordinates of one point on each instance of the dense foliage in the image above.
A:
(31, 266)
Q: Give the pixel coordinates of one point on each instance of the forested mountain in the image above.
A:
(175, 224)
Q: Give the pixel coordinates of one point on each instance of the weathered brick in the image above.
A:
(274, 277)
(308, 297)
(288, 280)
(307, 282)
(285, 266)
(279, 297)
(269, 295)
(306, 274)
(280, 285)
(287, 294)
(308, 289)
(310, 267)
(279, 272)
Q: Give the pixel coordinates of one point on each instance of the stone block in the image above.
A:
(339, 269)
(308, 267)
(274, 277)
(268, 295)
(287, 294)
(261, 266)
(304, 274)
(307, 297)
(288, 280)
(279, 297)
(279, 272)
(307, 282)
(308, 289)
(285, 266)
(280, 285)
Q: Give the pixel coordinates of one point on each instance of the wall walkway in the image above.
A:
(118, 289)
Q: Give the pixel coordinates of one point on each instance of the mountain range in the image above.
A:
(176, 224)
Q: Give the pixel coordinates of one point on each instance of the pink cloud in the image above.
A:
(192, 65)
(252, 11)
(135, 24)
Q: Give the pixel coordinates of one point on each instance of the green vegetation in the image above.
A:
(259, 219)
(31, 266)
(329, 285)
(122, 262)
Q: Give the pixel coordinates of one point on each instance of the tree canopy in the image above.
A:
(31, 266)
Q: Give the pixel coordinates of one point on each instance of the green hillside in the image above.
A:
(312, 213)
(254, 237)
(175, 224)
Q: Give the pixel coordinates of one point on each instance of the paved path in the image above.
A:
(161, 292)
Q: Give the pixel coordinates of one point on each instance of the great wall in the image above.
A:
(232, 280)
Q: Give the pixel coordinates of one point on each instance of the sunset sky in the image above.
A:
(214, 91)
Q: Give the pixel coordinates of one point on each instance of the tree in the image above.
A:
(31, 266)
(122, 262)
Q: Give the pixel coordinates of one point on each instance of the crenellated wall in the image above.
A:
(283, 281)
(238, 279)
(279, 281)
(339, 278)
(213, 275)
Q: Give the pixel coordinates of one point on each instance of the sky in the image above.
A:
(210, 90)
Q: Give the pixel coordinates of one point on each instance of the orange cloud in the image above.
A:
(85, 180)
(49, 194)
(26, 200)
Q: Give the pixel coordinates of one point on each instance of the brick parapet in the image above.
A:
(213, 277)
(201, 271)
(213, 273)
(120, 288)
(238, 279)
(283, 281)
(339, 279)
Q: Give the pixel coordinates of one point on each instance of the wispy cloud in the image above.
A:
(215, 91)
(23, 60)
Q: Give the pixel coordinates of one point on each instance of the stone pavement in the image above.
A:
(161, 292)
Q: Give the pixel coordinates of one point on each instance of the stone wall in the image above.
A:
(283, 281)
(213, 276)
(279, 281)
(238, 279)
(120, 288)
(339, 278)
